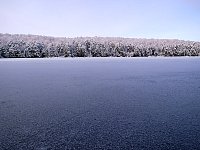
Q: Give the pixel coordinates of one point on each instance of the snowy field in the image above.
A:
(100, 103)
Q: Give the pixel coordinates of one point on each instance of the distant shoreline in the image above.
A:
(33, 46)
(97, 58)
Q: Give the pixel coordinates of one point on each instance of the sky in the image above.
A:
(162, 19)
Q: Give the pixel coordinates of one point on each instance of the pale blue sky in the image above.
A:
(174, 19)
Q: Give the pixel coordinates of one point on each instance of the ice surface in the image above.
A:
(100, 103)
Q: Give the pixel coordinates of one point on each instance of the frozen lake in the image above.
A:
(100, 103)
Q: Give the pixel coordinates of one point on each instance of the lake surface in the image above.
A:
(100, 103)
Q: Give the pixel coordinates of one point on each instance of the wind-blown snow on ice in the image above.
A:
(100, 103)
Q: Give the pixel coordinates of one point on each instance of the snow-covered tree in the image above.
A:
(20, 45)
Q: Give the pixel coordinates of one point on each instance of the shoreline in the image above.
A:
(99, 58)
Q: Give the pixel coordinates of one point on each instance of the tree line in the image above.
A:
(32, 46)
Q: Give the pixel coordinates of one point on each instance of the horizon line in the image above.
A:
(51, 36)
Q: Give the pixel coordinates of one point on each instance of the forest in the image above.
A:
(35, 46)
